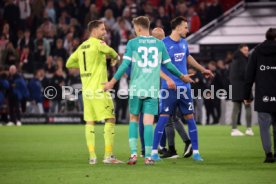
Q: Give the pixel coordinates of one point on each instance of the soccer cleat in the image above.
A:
(249, 132)
(149, 161)
(170, 154)
(197, 157)
(188, 151)
(142, 154)
(269, 158)
(10, 123)
(236, 132)
(132, 160)
(155, 157)
(92, 161)
(162, 151)
(18, 123)
(112, 160)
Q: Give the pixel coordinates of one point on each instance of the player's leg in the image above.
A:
(179, 126)
(141, 134)
(186, 107)
(103, 108)
(134, 108)
(149, 108)
(166, 108)
(90, 130)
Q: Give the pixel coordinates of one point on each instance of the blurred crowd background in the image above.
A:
(37, 36)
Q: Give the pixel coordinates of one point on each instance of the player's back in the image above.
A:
(146, 62)
(92, 64)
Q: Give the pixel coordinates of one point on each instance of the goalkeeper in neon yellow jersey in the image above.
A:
(90, 58)
(145, 54)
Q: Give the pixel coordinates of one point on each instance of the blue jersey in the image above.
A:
(178, 52)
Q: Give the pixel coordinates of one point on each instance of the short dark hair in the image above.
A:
(94, 24)
(242, 45)
(177, 21)
(271, 34)
(142, 21)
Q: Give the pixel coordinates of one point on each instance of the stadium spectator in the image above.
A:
(50, 11)
(11, 14)
(57, 82)
(202, 13)
(25, 12)
(49, 66)
(26, 60)
(133, 8)
(194, 20)
(213, 103)
(58, 50)
(4, 86)
(26, 41)
(35, 89)
(198, 88)
(10, 55)
(93, 14)
(108, 18)
(41, 44)
(169, 8)
(85, 8)
(261, 70)
(237, 80)
(17, 92)
(7, 34)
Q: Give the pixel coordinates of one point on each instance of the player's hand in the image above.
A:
(108, 86)
(187, 78)
(207, 73)
(171, 84)
(247, 102)
(115, 61)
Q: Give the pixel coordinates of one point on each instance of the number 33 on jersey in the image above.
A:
(146, 54)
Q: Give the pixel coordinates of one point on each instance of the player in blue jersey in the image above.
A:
(177, 48)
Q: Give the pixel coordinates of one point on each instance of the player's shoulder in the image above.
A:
(183, 40)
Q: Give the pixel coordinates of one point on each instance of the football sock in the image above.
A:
(141, 132)
(148, 136)
(193, 133)
(90, 140)
(159, 129)
(109, 134)
(133, 136)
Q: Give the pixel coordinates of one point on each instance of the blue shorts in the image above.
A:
(169, 100)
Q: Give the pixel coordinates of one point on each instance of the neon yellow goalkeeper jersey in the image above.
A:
(90, 58)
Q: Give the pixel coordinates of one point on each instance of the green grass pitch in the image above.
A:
(57, 154)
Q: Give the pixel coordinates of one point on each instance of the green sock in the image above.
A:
(133, 136)
(90, 140)
(148, 137)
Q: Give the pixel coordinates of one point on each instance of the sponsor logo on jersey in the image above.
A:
(179, 56)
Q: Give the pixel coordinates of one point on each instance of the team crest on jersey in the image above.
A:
(179, 56)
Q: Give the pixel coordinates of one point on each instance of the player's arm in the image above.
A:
(250, 75)
(169, 81)
(191, 61)
(166, 61)
(104, 48)
(73, 60)
(122, 69)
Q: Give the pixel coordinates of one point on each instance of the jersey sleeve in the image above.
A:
(187, 50)
(165, 56)
(73, 60)
(126, 63)
(104, 48)
(128, 53)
